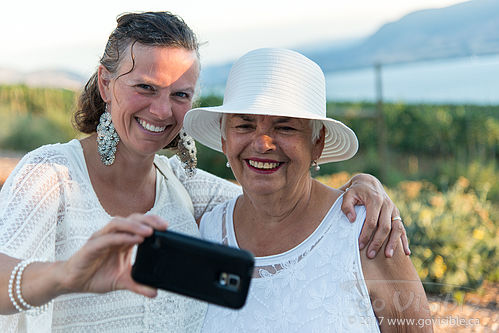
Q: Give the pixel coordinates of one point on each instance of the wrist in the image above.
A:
(63, 283)
(36, 285)
(365, 178)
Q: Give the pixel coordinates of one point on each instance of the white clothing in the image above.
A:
(48, 210)
(318, 286)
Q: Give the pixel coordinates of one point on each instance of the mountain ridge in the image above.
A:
(465, 29)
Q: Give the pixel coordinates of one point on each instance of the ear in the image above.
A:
(104, 82)
(318, 146)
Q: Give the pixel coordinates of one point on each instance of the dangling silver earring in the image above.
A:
(316, 165)
(107, 138)
(186, 152)
(227, 164)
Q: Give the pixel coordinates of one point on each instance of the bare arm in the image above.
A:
(103, 264)
(396, 293)
(40, 283)
(367, 190)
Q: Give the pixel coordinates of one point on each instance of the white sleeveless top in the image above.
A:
(318, 286)
(48, 210)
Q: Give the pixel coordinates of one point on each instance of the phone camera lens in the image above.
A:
(234, 281)
(223, 279)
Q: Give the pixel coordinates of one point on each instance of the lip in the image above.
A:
(263, 171)
(151, 132)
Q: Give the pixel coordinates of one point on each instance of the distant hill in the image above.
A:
(43, 78)
(466, 29)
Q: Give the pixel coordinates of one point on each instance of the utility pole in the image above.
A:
(380, 124)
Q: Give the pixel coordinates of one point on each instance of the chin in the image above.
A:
(261, 190)
(149, 149)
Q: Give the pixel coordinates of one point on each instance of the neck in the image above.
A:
(127, 171)
(267, 225)
(277, 208)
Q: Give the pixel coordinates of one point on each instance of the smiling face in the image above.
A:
(148, 104)
(270, 154)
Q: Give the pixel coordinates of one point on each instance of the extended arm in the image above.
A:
(32, 205)
(103, 264)
(207, 190)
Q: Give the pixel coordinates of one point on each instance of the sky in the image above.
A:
(71, 35)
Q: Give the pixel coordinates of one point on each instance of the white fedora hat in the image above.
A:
(274, 82)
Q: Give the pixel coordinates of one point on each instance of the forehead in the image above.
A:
(159, 63)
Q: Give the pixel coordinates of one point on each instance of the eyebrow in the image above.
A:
(252, 118)
(188, 89)
(150, 82)
(283, 120)
(245, 117)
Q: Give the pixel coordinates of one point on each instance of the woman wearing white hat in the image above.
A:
(310, 275)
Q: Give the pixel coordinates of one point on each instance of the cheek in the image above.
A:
(131, 102)
(300, 152)
(179, 112)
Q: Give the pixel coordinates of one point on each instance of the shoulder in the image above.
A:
(398, 268)
(51, 152)
(201, 178)
(333, 198)
(216, 214)
(45, 162)
(211, 222)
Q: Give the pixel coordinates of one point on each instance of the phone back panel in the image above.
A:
(193, 267)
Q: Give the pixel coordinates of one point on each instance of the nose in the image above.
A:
(264, 143)
(161, 107)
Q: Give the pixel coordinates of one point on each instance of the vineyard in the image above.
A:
(440, 168)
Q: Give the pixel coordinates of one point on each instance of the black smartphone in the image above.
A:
(194, 267)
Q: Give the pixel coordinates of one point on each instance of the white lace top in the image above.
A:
(318, 286)
(48, 209)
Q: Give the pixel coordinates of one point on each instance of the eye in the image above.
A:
(145, 87)
(286, 128)
(243, 126)
(182, 94)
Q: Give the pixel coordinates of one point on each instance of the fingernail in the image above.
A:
(372, 254)
(361, 245)
(350, 217)
(390, 252)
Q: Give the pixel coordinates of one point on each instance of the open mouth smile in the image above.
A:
(264, 165)
(150, 127)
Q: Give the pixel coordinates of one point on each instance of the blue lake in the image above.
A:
(472, 80)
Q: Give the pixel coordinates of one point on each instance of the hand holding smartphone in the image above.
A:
(194, 267)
